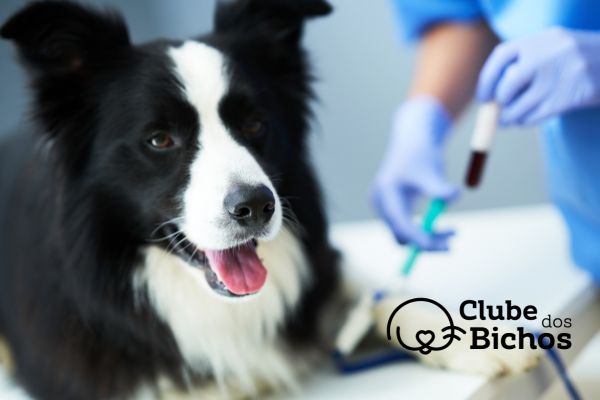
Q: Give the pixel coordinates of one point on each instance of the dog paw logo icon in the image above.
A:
(426, 338)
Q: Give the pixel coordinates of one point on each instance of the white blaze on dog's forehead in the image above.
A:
(201, 69)
(221, 162)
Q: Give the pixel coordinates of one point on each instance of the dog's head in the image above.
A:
(183, 142)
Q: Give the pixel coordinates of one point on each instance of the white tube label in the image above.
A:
(485, 126)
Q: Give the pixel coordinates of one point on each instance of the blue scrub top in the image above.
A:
(571, 141)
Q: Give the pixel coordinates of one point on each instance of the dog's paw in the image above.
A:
(488, 362)
(425, 328)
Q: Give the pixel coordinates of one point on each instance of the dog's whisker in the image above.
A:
(174, 245)
(287, 199)
(169, 222)
(291, 221)
(163, 238)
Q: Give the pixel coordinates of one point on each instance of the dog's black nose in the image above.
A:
(251, 206)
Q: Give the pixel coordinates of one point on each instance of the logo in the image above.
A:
(482, 335)
(426, 337)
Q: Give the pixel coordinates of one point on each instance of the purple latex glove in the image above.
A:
(413, 168)
(554, 71)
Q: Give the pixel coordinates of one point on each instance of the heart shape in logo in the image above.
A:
(425, 337)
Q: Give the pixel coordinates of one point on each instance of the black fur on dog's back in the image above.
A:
(74, 223)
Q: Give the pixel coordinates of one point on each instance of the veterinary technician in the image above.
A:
(546, 70)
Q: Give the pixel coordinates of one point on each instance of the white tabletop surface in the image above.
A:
(519, 254)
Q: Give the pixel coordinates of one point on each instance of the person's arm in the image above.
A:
(450, 56)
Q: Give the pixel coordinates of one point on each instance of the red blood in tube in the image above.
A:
(475, 170)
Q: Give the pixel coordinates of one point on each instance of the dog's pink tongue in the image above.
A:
(240, 269)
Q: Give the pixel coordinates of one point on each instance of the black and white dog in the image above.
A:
(161, 229)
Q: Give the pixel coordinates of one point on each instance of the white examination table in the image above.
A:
(519, 254)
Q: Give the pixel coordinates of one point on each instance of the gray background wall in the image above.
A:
(364, 71)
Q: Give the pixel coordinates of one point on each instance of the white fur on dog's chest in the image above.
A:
(234, 339)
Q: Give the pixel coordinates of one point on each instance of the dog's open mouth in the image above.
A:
(233, 272)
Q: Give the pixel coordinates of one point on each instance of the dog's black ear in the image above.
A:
(66, 48)
(63, 37)
(274, 19)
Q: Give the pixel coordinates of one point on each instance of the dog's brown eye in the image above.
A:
(161, 141)
(253, 128)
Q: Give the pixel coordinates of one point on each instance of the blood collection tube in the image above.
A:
(483, 135)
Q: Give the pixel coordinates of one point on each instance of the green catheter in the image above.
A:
(435, 209)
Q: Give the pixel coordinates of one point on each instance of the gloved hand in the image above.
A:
(413, 168)
(534, 78)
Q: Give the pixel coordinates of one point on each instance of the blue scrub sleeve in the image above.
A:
(416, 16)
